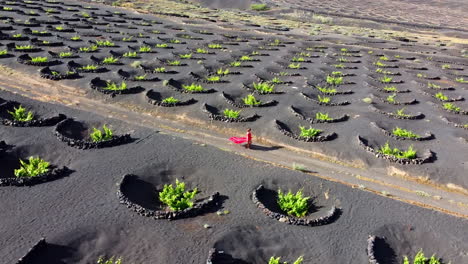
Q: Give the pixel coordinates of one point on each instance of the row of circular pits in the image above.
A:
(75, 130)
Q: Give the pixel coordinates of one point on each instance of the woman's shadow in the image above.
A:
(264, 148)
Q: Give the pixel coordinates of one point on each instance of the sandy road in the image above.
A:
(411, 191)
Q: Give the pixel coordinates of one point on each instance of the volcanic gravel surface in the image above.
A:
(151, 53)
(379, 85)
(81, 217)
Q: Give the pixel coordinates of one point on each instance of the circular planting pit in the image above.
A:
(312, 99)
(161, 99)
(238, 102)
(10, 160)
(38, 119)
(78, 134)
(28, 60)
(181, 84)
(388, 132)
(141, 196)
(86, 68)
(265, 199)
(285, 130)
(393, 101)
(157, 68)
(427, 156)
(56, 75)
(396, 115)
(391, 243)
(136, 76)
(313, 120)
(214, 114)
(102, 86)
(207, 78)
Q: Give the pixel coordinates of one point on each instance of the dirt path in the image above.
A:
(404, 189)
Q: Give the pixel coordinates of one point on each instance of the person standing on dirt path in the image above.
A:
(240, 140)
(249, 138)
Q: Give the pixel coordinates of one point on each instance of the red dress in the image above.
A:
(240, 140)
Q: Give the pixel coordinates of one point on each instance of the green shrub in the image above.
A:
(324, 99)
(75, 38)
(97, 135)
(174, 62)
(24, 47)
(231, 113)
(213, 78)
(105, 43)
(461, 80)
(293, 204)
(433, 86)
(441, 96)
(401, 112)
(451, 107)
(222, 71)
(39, 59)
(420, 258)
(110, 60)
(410, 153)
(275, 80)
(176, 197)
(185, 56)
(332, 80)
(294, 66)
(309, 132)
(170, 100)
(380, 64)
(162, 45)
(89, 49)
(343, 59)
(65, 54)
(390, 88)
(297, 59)
(326, 90)
(101, 260)
(339, 66)
(89, 67)
(323, 116)
(276, 260)
(259, 7)
(144, 49)
(201, 51)
(215, 46)
(160, 69)
(263, 87)
(33, 168)
(21, 114)
(245, 58)
(193, 87)
(3, 52)
(130, 54)
(400, 132)
(114, 87)
(391, 98)
(251, 100)
(235, 64)
(386, 79)
(446, 66)
(140, 77)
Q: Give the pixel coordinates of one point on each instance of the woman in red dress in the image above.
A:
(247, 139)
